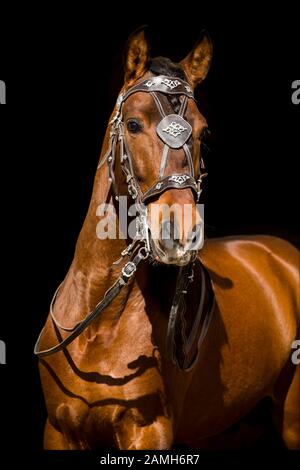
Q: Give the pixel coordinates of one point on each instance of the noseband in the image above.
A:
(174, 131)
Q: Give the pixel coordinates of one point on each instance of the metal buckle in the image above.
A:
(132, 189)
(146, 252)
(129, 269)
(142, 228)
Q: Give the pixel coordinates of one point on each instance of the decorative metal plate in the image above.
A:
(163, 84)
(174, 130)
(179, 179)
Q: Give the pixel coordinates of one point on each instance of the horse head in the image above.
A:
(155, 138)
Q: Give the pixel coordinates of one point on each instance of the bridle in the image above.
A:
(174, 131)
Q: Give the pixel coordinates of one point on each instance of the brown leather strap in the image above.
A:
(127, 272)
(185, 355)
(162, 84)
(180, 181)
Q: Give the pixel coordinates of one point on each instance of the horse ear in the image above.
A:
(197, 63)
(136, 55)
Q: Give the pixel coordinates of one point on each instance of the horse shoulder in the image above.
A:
(256, 280)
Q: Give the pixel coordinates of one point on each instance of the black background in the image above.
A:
(63, 72)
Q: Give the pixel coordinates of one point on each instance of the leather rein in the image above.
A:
(174, 131)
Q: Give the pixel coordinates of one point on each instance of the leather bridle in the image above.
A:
(174, 131)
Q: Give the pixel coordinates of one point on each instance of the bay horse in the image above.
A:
(113, 380)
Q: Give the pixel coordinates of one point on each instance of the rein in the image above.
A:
(174, 131)
(127, 272)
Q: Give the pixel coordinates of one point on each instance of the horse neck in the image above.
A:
(92, 271)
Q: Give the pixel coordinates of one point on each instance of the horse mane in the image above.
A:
(165, 66)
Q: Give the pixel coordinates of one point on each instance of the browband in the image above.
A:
(162, 84)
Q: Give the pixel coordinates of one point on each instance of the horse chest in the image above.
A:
(86, 425)
(91, 398)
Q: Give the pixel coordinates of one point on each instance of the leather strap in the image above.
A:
(127, 272)
(162, 84)
(180, 181)
(177, 318)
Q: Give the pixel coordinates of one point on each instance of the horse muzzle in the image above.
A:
(170, 248)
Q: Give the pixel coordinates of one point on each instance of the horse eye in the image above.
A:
(134, 126)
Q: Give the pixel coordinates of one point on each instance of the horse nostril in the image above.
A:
(195, 237)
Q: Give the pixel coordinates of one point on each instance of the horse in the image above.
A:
(125, 375)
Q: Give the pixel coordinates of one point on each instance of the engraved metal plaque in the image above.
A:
(174, 130)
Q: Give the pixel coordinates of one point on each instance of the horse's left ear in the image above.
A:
(136, 55)
(196, 65)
